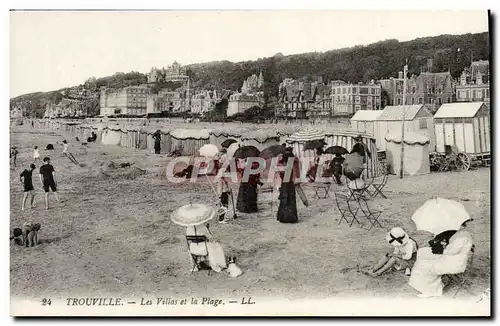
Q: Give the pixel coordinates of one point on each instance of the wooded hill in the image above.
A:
(360, 63)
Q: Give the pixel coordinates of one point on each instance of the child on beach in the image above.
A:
(404, 255)
(36, 154)
(13, 154)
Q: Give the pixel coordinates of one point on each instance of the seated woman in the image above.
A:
(216, 257)
(403, 257)
(429, 267)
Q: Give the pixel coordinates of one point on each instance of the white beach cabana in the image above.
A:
(416, 153)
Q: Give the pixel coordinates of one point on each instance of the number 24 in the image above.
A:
(46, 302)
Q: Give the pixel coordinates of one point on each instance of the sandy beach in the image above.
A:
(112, 233)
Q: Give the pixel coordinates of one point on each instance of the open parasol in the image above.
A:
(228, 142)
(353, 166)
(272, 151)
(246, 151)
(438, 215)
(336, 150)
(306, 135)
(208, 150)
(193, 214)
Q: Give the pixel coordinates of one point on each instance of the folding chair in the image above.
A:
(322, 186)
(358, 192)
(378, 186)
(461, 279)
(198, 260)
(345, 209)
(371, 215)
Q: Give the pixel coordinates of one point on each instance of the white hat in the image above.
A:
(397, 237)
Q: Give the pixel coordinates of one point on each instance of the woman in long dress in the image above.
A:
(287, 211)
(428, 269)
(247, 194)
(216, 257)
(157, 138)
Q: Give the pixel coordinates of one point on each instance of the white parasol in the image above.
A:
(209, 150)
(193, 214)
(438, 215)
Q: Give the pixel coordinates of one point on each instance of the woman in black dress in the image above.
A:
(157, 138)
(247, 194)
(287, 211)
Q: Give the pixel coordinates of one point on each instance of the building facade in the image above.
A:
(429, 88)
(174, 73)
(349, 98)
(131, 100)
(65, 108)
(474, 83)
(240, 102)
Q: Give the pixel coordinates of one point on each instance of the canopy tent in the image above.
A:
(191, 140)
(416, 153)
(260, 138)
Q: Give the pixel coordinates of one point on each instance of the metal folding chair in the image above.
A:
(344, 207)
(322, 187)
(378, 185)
(198, 259)
(371, 215)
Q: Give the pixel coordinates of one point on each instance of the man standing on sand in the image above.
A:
(27, 180)
(48, 180)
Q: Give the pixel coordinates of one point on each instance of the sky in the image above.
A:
(50, 50)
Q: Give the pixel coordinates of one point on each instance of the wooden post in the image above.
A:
(401, 172)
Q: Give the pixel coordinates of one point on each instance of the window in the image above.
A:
(422, 123)
(439, 101)
(420, 100)
(413, 89)
(412, 100)
(399, 101)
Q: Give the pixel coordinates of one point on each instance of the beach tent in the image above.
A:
(260, 138)
(466, 125)
(417, 118)
(416, 153)
(365, 121)
(112, 136)
(191, 139)
(229, 131)
(345, 138)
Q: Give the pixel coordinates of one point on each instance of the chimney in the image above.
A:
(400, 75)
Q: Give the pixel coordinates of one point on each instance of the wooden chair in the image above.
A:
(371, 215)
(462, 279)
(199, 261)
(344, 207)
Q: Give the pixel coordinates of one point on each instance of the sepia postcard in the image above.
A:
(250, 163)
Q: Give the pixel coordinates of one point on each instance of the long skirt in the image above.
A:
(157, 147)
(428, 269)
(216, 257)
(287, 211)
(247, 198)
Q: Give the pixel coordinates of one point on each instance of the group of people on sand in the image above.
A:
(47, 180)
(47, 176)
(247, 198)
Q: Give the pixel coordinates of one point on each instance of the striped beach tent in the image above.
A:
(299, 139)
